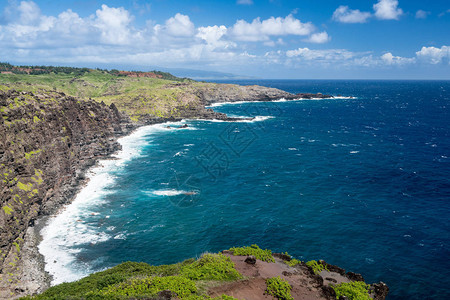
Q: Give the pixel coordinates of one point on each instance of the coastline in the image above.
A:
(32, 276)
(36, 279)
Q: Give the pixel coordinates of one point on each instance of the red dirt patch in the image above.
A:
(304, 285)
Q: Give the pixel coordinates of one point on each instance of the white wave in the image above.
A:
(179, 153)
(354, 152)
(120, 236)
(171, 192)
(231, 103)
(66, 232)
(279, 100)
(255, 119)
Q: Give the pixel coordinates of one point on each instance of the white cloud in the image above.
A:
(180, 25)
(434, 55)
(245, 2)
(212, 35)
(114, 24)
(390, 59)
(387, 10)
(109, 36)
(319, 38)
(328, 55)
(421, 14)
(261, 30)
(346, 15)
(30, 13)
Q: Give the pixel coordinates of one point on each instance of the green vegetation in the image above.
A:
(30, 154)
(211, 267)
(293, 262)
(146, 287)
(25, 187)
(355, 290)
(279, 288)
(264, 255)
(317, 267)
(8, 210)
(160, 95)
(139, 280)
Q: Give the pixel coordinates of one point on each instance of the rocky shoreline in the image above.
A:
(61, 137)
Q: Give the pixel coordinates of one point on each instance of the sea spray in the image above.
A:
(65, 232)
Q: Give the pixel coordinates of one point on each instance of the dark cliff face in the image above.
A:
(47, 140)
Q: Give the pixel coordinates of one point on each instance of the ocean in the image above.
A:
(362, 182)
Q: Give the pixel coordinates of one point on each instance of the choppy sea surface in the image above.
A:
(363, 183)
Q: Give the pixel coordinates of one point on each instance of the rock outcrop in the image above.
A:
(47, 141)
(218, 93)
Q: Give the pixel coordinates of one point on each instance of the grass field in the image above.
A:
(135, 96)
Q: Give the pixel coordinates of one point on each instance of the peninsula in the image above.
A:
(57, 122)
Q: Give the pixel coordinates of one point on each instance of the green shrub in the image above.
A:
(293, 262)
(203, 297)
(183, 287)
(211, 267)
(279, 288)
(88, 287)
(317, 267)
(264, 255)
(355, 290)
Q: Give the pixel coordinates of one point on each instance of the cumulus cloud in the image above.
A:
(109, 36)
(29, 12)
(319, 38)
(180, 25)
(434, 55)
(387, 10)
(329, 55)
(422, 14)
(213, 35)
(113, 24)
(261, 30)
(390, 59)
(346, 15)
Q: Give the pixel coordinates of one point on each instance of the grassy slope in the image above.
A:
(135, 96)
(130, 280)
(190, 279)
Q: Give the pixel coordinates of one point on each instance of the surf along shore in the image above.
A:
(50, 139)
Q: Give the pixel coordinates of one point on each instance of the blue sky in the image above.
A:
(323, 39)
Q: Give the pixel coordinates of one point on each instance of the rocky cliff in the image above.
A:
(47, 140)
(217, 93)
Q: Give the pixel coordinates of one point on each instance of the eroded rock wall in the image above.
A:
(47, 141)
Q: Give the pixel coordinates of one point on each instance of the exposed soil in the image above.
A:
(305, 284)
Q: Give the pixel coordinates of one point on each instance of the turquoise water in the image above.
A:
(362, 183)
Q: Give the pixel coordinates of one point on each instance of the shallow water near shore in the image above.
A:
(362, 183)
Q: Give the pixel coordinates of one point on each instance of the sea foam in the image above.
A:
(69, 229)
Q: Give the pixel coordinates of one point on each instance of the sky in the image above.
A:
(303, 39)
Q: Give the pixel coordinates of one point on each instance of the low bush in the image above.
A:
(317, 267)
(264, 255)
(355, 290)
(151, 286)
(279, 288)
(211, 267)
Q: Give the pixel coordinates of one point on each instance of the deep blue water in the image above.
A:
(362, 183)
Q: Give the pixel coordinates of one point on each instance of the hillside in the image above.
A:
(56, 124)
(146, 99)
(238, 273)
